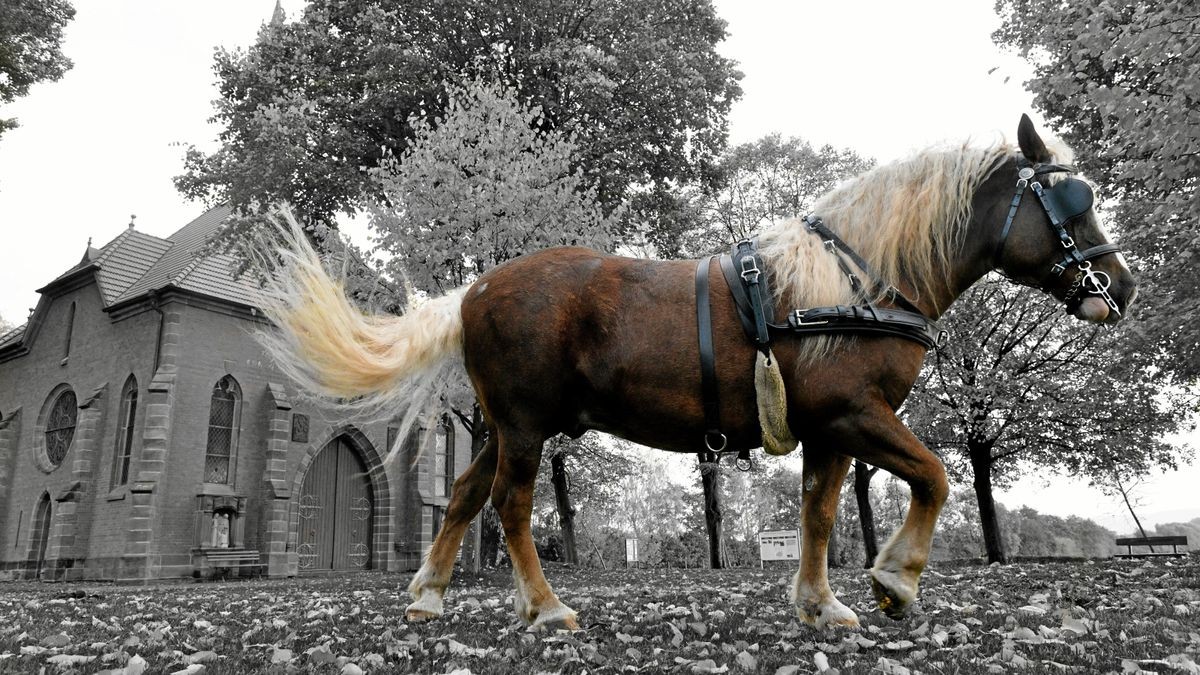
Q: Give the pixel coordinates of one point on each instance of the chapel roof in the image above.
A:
(135, 264)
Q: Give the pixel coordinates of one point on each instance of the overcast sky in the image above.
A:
(881, 77)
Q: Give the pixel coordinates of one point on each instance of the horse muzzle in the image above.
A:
(1099, 305)
(1095, 310)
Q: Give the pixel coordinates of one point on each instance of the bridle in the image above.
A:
(1062, 202)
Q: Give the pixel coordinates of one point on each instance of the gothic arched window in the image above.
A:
(223, 415)
(124, 448)
(443, 458)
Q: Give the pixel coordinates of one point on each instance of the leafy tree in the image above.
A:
(481, 186)
(761, 183)
(1032, 387)
(1121, 80)
(31, 34)
(476, 188)
(584, 473)
(313, 102)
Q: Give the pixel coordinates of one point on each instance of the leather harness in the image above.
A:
(746, 276)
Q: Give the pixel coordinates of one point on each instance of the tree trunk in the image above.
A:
(981, 466)
(866, 516)
(831, 548)
(483, 544)
(1129, 505)
(710, 477)
(566, 512)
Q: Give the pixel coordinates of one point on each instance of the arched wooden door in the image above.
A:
(336, 507)
(40, 532)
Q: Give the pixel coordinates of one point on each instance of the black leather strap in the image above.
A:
(1022, 183)
(740, 299)
(868, 319)
(713, 438)
(1102, 249)
(815, 225)
(746, 275)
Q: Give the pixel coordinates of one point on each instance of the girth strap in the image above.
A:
(713, 438)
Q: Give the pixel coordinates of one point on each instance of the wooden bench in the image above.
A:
(230, 559)
(1174, 541)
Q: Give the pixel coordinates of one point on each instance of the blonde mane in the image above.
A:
(906, 219)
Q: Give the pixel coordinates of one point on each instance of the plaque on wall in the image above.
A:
(299, 428)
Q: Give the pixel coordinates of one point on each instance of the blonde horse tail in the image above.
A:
(368, 366)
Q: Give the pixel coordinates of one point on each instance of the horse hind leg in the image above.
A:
(815, 602)
(512, 495)
(467, 497)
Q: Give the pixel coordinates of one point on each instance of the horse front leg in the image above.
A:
(512, 495)
(878, 437)
(816, 605)
(467, 497)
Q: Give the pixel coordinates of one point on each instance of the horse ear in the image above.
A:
(1030, 143)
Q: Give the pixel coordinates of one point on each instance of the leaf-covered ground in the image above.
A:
(1118, 616)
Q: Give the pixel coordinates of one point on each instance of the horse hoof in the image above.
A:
(889, 601)
(412, 615)
(560, 618)
(427, 607)
(832, 615)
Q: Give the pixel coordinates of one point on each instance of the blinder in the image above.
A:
(1068, 199)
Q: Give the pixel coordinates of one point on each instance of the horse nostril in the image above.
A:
(1131, 298)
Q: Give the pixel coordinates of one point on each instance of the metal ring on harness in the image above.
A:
(738, 462)
(707, 441)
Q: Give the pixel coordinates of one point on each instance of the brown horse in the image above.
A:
(569, 339)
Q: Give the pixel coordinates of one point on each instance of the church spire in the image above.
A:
(278, 17)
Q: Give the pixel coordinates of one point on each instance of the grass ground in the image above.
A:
(1111, 616)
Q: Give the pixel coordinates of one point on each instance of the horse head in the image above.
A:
(1051, 238)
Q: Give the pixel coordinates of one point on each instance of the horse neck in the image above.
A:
(972, 261)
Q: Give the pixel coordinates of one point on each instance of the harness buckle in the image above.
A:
(750, 271)
(798, 319)
(1022, 184)
(942, 338)
(1058, 269)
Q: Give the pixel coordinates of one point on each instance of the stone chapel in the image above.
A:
(144, 434)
